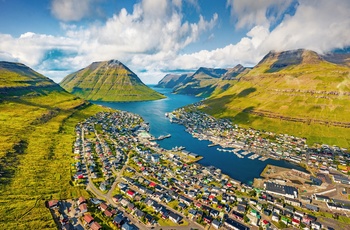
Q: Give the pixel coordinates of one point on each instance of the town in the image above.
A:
(135, 184)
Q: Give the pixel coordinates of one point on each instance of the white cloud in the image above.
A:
(250, 13)
(150, 44)
(154, 28)
(317, 25)
(70, 10)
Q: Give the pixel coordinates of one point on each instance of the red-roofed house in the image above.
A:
(88, 218)
(152, 184)
(295, 222)
(130, 193)
(103, 207)
(265, 224)
(108, 213)
(81, 200)
(83, 208)
(95, 226)
(53, 204)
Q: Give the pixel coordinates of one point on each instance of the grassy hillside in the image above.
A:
(19, 75)
(294, 92)
(108, 81)
(36, 139)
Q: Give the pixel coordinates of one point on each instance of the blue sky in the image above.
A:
(154, 37)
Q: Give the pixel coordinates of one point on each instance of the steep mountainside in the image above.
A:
(201, 82)
(108, 81)
(172, 80)
(232, 73)
(36, 135)
(295, 92)
(19, 75)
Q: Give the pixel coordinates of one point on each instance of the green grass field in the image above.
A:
(35, 155)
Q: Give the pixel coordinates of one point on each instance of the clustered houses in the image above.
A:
(158, 184)
(267, 144)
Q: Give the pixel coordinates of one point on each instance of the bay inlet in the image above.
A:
(153, 112)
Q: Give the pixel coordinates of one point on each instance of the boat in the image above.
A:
(161, 137)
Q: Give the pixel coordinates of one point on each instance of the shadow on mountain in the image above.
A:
(216, 106)
(285, 59)
(10, 162)
(246, 92)
(245, 117)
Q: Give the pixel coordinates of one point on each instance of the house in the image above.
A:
(131, 206)
(315, 181)
(118, 220)
(175, 217)
(108, 213)
(207, 219)
(316, 225)
(53, 204)
(117, 198)
(192, 212)
(182, 205)
(282, 190)
(214, 213)
(237, 215)
(127, 226)
(88, 218)
(130, 193)
(124, 202)
(139, 214)
(216, 224)
(291, 201)
(241, 208)
(308, 219)
(83, 208)
(312, 207)
(150, 219)
(95, 226)
(285, 220)
(103, 207)
(275, 217)
(295, 222)
(232, 224)
(81, 200)
(265, 224)
(321, 198)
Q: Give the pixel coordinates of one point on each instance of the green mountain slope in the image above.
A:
(108, 81)
(295, 92)
(36, 134)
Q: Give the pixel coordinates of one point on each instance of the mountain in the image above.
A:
(232, 73)
(19, 75)
(296, 92)
(201, 82)
(172, 80)
(108, 81)
(338, 58)
(38, 120)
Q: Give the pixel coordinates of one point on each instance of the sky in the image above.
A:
(156, 37)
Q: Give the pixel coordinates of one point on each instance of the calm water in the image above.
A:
(242, 169)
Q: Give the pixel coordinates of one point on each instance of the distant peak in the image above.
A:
(114, 62)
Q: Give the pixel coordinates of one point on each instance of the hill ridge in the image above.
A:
(108, 81)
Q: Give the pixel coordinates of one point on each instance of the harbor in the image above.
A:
(186, 137)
